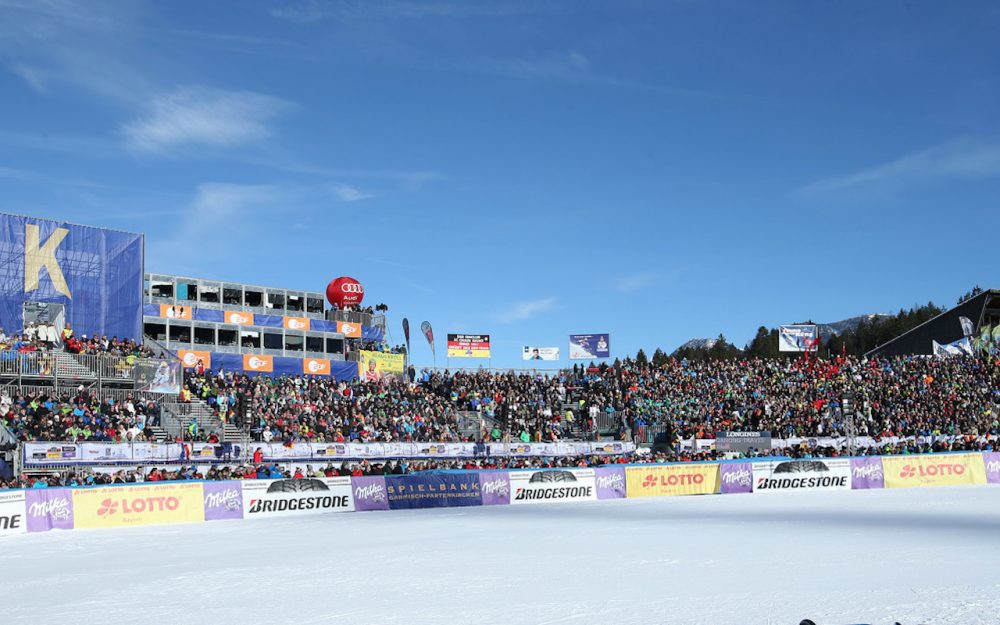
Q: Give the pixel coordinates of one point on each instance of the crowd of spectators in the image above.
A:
(79, 417)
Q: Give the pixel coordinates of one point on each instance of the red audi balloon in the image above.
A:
(345, 291)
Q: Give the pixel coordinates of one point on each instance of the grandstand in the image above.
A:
(982, 310)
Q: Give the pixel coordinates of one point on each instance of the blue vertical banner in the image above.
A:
(589, 346)
(94, 273)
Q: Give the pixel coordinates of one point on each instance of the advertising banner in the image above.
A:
(736, 477)
(816, 474)
(374, 366)
(428, 331)
(258, 363)
(238, 318)
(142, 504)
(494, 487)
(158, 376)
(12, 519)
(433, 490)
(867, 473)
(610, 482)
(223, 500)
(468, 346)
(315, 366)
(296, 323)
(552, 486)
(190, 358)
(174, 311)
(934, 470)
(672, 480)
(539, 353)
(349, 329)
(742, 441)
(798, 338)
(992, 461)
(95, 274)
(369, 493)
(49, 509)
(266, 498)
(589, 346)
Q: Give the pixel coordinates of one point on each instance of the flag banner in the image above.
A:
(406, 333)
(468, 345)
(961, 347)
(967, 328)
(428, 331)
(539, 353)
(798, 338)
(589, 346)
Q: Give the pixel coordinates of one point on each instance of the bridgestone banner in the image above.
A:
(802, 475)
(12, 517)
(672, 480)
(552, 486)
(934, 470)
(265, 498)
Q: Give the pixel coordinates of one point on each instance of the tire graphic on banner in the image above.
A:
(552, 486)
(809, 475)
(264, 498)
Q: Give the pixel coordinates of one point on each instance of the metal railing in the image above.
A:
(62, 368)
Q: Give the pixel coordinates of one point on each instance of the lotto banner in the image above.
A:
(266, 498)
(552, 486)
(189, 358)
(315, 366)
(934, 470)
(349, 330)
(239, 318)
(259, 364)
(145, 504)
(373, 366)
(672, 480)
(296, 323)
(12, 519)
(468, 346)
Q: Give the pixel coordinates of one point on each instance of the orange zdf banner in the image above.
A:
(239, 318)
(670, 480)
(253, 362)
(933, 470)
(349, 330)
(297, 323)
(315, 366)
(190, 358)
(138, 505)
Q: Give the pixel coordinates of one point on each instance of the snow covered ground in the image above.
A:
(918, 556)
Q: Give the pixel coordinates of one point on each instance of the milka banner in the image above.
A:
(867, 473)
(59, 454)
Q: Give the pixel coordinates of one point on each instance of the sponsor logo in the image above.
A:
(674, 479)
(228, 499)
(58, 509)
(347, 329)
(38, 256)
(190, 359)
(239, 318)
(827, 481)
(993, 466)
(933, 470)
(871, 471)
(314, 366)
(372, 492)
(553, 492)
(615, 481)
(256, 363)
(740, 477)
(137, 505)
(297, 324)
(10, 521)
(326, 502)
(352, 287)
(497, 486)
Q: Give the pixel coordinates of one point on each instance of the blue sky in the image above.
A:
(656, 170)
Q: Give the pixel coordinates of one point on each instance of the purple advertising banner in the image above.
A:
(495, 488)
(369, 493)
(223, 500)
(992, 461)
(867, 473)
(736, 477)
(49, 509)
(610, 482)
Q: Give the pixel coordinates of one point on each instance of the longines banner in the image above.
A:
(468, 345)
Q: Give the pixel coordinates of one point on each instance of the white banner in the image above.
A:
(810, 474)
(552, 486)
(12, 513)
(800, 338)
(267, 498)
(539, 353)
(42, 454)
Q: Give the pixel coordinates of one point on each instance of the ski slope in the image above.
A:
(916, 556)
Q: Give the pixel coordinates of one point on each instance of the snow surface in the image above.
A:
(917, 556)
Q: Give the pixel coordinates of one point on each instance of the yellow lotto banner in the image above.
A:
(933, 470)
(373, 366)
(144, 504)
(671, 480)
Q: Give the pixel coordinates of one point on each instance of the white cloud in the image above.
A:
(963, 158)
(203, 117)
(347, 193)
(522, 311)
(35, 77)
(635, 282)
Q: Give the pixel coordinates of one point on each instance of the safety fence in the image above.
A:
(153, 503)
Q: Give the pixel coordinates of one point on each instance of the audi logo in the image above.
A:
(352, 288)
